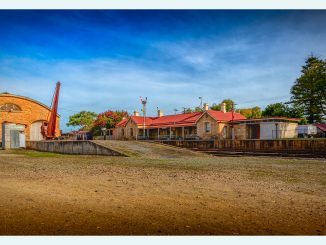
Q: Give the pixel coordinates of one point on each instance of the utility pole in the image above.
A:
(201, 102)
(144, 102)
(232, 124)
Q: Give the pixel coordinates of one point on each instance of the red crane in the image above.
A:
(48, 128)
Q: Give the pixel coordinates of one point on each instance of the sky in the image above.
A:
(107, 59)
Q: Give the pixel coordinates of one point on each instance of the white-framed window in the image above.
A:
(207, 127)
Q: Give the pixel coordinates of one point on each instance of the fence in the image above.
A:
(297, 133)
(313, 146)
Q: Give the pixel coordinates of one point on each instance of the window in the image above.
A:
(207, 127)
(224, 132)
(131, 132)
(10, 107)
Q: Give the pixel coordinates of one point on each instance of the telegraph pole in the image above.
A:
(232, 121)
(232, 124)
(201, 102)
(144, 102)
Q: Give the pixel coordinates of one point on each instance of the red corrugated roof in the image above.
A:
(225, 116)
(140, 120)
(321, 126)
(169, 120)
(122, 123)
(186, 119)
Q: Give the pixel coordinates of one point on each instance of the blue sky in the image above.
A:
(107, 59)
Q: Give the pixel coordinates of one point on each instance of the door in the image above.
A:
(14, 139)
(22, 140)
(253, 131)
(36, 133)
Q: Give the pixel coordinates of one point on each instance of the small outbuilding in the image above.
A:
(266, 128)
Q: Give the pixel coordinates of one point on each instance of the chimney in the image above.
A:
(205, 107)
(223, 107)
(159, 113)
(136, 113)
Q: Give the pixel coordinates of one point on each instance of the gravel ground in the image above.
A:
(52, 194)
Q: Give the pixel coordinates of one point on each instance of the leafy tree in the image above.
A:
(198, 109)
(216, 107)
(247, 112)
(254, 112)
(282, 110)
(187, 110)
(108, 119)
(228, 102)
(277, 109)
(84, 120)
(309, 90)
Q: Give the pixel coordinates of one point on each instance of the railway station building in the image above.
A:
(205, 125)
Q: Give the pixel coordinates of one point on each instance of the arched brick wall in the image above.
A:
(31, 111)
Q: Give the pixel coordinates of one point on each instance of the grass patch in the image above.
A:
(42, 154)
(37, 153)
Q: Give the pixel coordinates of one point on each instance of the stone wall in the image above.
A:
(215, 127)
(240, 131)
(78, 147)
(118, 133)
(131, 125)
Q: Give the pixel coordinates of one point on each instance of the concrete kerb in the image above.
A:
(75, 147)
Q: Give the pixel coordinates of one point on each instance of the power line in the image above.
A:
(267, 99)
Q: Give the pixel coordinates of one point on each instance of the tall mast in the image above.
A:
(144, 102)
(54, 111)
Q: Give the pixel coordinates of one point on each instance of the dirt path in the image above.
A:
(110, 195)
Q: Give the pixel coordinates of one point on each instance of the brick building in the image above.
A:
(22, 110)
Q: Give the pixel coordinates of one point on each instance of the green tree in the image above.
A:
(277, 109)
(282, 110)
(198, 109)
(254, 112)
(228, 102)
(247, 112)
(309, 90)
(187, 110)
(84, 120)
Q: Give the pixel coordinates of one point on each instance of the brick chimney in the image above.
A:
(160, 113)
(205, 107)
(136, 113)
(223, 107)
